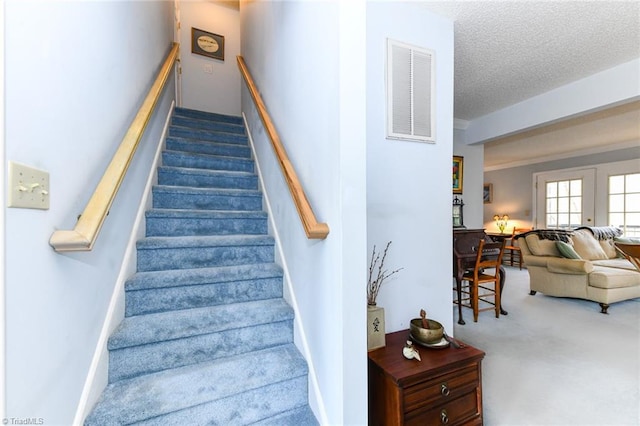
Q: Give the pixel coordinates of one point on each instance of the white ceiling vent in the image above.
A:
(410, 92)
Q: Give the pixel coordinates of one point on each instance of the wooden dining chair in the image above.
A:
(512, 250)
(482, 283)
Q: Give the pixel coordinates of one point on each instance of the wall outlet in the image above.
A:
(208, 68)
(28, 187)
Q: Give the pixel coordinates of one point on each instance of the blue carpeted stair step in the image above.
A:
(211, 116)
(207, 135)
(206, 147)
(159, 291)
(298, 416)
(206, 161)
(215, 125)
(207, 336)
(234, 390)
(181, 176)
(180, 197)
(165, 253)
(154, 342)
(248, 408)
(176, 222)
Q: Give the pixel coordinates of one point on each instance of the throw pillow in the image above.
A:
(540, 247)
(566, 250)
(586, 245)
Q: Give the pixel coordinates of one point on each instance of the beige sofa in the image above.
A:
(582, 263)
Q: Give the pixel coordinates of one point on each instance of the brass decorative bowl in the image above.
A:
(430, 335)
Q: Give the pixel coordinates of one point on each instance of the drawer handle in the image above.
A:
(444, 419)
(444, 389)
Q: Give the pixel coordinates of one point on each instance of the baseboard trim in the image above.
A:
(98, 375)
(303, 345)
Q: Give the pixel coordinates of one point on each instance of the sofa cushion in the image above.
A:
(609, 248)
(587, 246)
(619, 262)
(567, 250)
(605, 277)
(540, 247)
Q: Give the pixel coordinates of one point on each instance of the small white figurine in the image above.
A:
(410, 352)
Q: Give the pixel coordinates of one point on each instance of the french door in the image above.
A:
(564, 199)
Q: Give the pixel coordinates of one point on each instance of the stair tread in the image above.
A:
(171, 325)
(197, 141)
(214, 135)
(213, 191)
(205, 115)
(250, 408)
(211, 156)
(204, 241)
(194, 213)
(196, 122)
(199, 276)
(167, 391)
(206, 172)
(297, 416)
(206, 130)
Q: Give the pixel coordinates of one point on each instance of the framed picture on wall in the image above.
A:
(457, 174)
(487, 193)
(207, 44)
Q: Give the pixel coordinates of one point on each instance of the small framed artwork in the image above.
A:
(487, 193)
(207, 44)
(457, 174)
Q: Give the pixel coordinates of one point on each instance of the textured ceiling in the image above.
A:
(509, 51)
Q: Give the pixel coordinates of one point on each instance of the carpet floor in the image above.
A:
(556, 361)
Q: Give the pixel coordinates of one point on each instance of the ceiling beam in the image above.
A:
(615, 86)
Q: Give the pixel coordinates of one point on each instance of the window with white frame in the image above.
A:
(624, 203)
(564, 204)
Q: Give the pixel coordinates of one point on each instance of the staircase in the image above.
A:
(207, 337)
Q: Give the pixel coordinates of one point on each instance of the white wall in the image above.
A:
(2, 227)
(472, 182)
(409, 183)
(513, 189)
(76, 72)
(218, 91)
(308, 62)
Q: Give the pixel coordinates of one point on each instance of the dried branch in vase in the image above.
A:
(374, 284)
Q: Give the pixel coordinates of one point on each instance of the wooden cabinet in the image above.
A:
(444, 388)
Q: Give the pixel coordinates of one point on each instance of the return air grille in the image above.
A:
(410, 92)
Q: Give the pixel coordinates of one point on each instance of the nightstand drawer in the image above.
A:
(459, 411)
(442, 389)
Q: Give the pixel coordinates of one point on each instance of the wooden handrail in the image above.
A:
(312, 228)
(85, 233)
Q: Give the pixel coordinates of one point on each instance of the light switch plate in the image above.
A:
(28, 187)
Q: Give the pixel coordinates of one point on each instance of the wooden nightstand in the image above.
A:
(444, 388)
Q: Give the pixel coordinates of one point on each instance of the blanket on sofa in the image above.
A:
(548, 234)
(603, 232)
